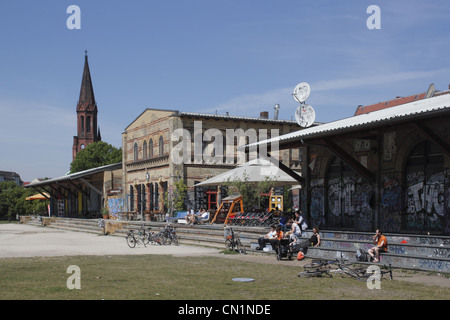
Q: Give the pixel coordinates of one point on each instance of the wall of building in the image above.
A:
(411, 192)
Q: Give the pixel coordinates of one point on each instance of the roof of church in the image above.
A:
(87, 91)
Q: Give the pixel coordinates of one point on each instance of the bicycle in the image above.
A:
(139, 238)
(168, 235)
(322, 267)
(154, 238)
(232, 241)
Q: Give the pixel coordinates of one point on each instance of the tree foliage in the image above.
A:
(12, 201)
(95, 155)
(250, 191)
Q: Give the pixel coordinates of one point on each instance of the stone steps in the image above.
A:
(420, 252)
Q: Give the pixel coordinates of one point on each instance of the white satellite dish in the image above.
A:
(301, 92)
(305, 115)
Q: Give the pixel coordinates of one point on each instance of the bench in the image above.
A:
(180, 217)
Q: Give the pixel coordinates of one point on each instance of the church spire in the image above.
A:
(87, 126)
(87, 99)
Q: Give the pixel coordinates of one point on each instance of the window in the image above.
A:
(135, 151)
(150, 149)
(88, 124)
(144, 150)
(82, 123)
(161, 146)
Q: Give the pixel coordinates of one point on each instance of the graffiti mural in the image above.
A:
(317, 203)
(350, 203)
(115, 205)
(426, 204)
(391, 202)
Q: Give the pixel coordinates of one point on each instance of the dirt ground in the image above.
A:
(21, 240)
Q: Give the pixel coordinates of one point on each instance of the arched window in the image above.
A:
(135, 151)
(82, 124)
(161, 146)
(144, 150)
(425, 195)
(88, 124)
(150, 149)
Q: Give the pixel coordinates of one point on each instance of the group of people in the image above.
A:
(192, 217)
(291, 229)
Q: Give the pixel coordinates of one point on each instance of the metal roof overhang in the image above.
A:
(414, 114)
(75, 176)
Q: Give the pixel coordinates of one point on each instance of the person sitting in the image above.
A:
(315, 238)
(190, 217)
(265, 239)
(295, 231)
(201, 216)
(380, 242)
(279, 234)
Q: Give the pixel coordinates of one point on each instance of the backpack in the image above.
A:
(361, 255)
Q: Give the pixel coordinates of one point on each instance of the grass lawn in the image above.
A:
(158, 277)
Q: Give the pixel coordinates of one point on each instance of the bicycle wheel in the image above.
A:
(349, 271)
(143, 239)
(131, 241)
(175, 239)
(315, 264)
(229, 245)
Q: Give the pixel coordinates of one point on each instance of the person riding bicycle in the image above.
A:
(380, 242)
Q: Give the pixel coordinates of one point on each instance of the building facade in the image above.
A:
(162, 147)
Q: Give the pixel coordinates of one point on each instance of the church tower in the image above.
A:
(86, 114)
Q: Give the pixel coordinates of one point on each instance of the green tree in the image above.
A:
(250, 191)
(95, 155)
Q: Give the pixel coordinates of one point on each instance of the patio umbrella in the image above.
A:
(256, 171)
(39, 196)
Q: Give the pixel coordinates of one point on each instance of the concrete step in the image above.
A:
(420, 252)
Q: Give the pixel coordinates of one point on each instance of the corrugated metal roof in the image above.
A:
(76, 175)
(377, 118)
(229, 117)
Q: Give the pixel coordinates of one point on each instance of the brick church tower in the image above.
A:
(86, 114)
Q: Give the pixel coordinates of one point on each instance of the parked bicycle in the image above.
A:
(168, 235)
(137, 236)
(232, 241)
(154, 238)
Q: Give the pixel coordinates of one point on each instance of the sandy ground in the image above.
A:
(22, 240)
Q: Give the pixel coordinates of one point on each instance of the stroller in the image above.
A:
(284, 250)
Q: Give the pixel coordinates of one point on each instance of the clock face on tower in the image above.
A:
(82, 146)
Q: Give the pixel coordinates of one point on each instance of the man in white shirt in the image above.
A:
(269, 236)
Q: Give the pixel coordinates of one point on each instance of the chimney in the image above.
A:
(264, 115)
(277, 110)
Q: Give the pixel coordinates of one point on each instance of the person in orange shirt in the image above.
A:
(380, 242)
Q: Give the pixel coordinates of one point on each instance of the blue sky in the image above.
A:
(236, 56)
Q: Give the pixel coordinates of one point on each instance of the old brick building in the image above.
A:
(152, 161)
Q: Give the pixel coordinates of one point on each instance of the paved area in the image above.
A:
(22, 240)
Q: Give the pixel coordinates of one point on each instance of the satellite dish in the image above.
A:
(301, 92)
(305, 115)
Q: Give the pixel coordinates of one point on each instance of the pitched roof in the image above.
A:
(87, 91)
